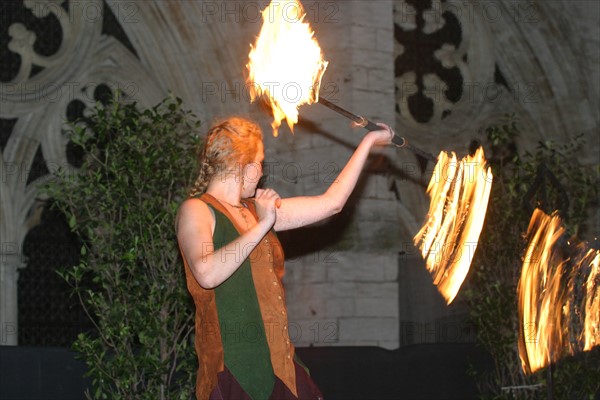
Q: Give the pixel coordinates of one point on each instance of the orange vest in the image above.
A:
(266, 266)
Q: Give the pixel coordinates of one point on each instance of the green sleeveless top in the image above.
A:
(245, 348)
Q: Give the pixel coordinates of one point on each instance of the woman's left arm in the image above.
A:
(295, 212)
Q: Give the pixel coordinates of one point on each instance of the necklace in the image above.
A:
(233, 205)
(242, 210)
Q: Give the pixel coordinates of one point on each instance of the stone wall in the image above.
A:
(353, 280)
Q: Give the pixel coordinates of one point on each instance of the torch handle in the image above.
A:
(399, 141)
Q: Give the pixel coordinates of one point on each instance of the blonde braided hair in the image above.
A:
(229, 145)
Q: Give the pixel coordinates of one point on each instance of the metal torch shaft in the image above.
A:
(399, 141)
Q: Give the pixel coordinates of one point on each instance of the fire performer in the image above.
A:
(234, 264)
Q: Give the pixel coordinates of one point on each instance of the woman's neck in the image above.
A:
(227, 189)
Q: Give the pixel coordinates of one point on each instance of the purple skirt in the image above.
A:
(228, 387)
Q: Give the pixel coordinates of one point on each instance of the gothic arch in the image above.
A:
(521, 57)
(37, 96)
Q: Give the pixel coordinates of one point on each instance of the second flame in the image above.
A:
(459, 192)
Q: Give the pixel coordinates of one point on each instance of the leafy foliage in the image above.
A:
(551, 178)
(138, 165)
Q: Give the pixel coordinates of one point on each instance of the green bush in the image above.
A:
(137, 168)
(551, 178)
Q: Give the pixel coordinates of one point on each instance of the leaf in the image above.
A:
(72, 222)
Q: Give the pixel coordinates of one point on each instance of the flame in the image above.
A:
(286, 64)
(459, 193)
(559, 295)
(591, 335)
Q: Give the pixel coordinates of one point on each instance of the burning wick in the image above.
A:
(286, 66)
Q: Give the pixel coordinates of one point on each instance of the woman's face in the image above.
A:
(253, 172)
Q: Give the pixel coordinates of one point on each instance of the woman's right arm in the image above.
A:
(195, 226)
(300, 211)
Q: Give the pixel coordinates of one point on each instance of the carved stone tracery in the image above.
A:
(39, 94)
(524, 57)
(442, 53)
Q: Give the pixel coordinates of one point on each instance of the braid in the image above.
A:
(204, 176)
(201, 182)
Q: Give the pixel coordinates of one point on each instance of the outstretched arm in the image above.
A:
(295, 212)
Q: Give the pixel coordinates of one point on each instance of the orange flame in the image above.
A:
(591, 334)
(559, 308)
(286, 64)
(459, 193)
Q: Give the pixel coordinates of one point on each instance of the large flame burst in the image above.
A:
(559, 295)
(459, 192)
(286, 64)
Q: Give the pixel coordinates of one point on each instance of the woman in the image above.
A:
(234, 264)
